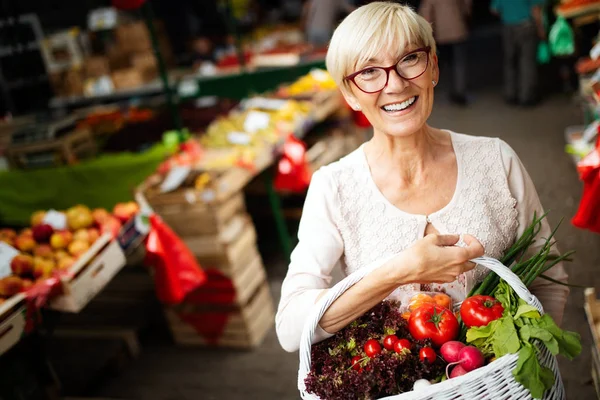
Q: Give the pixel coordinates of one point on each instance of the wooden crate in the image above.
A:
(592, 313)
(12, 322)
(227, 326)
(196, 219)
(234, 289)
(66, 150)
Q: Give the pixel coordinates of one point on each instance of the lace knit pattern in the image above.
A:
(482, 206)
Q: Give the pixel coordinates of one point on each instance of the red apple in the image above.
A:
(44, 251)
(37, 217)
(78, 247)
(10, 286)
(27, 283)
(100, 215)
(111, 226)
(42, 233)
(7, 234)
(25, 243)
(125, 211)
(93, 235)
(61, 239)
(60, 254)
(22, 264)
(26, 232)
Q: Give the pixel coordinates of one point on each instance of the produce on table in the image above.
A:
(480, 310)
(434, 322)
(342, 370)
(45, 250)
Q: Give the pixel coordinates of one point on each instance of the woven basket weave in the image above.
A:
(493, 381)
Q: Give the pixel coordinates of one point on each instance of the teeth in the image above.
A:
(399, 106)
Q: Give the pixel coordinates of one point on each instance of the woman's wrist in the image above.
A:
(401, 270)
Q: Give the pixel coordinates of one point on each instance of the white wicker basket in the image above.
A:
(494, 381)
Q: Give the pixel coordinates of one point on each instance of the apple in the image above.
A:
(65, 263)
(10, 286)
(44, 251)
(22, 264)
(37, 217)
(42, 233)
(78, 247)
(79, 217)
(60, 254)
(27, 283)
(125, 211)
(8, 241)
(26, 232)
(93, 235)
(61, 239)
(8, 234)
(42, 267)
(25, 243)
(100, 215)
(111, 226)
(81, 234)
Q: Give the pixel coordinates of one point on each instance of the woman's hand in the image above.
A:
(436, 259)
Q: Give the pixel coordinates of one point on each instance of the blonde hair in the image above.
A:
(371, 30)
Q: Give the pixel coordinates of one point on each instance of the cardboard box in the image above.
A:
(133, 37)
(96, 66)
(127, 78)
(147, 65)
(67, 83)
(90, 274)
(12, 322)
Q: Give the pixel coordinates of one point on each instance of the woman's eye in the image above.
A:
(368, 72)
(411, 58)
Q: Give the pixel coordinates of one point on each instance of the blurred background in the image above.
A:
(212, 114)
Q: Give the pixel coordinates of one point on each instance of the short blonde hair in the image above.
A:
(370, 30)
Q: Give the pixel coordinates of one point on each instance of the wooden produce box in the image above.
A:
(89, 275)
(12, 322)
(65, 150)
(592, 313)
(235, 326)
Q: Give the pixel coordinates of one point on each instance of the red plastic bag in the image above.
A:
(293, 172)
(588, 214)
(176, 271)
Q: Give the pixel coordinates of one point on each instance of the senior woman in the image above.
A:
(402, 199)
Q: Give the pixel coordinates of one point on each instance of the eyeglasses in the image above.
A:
(411, 66)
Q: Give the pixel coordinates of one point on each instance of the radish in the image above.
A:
(470, 358)
(450, 350)
(457, 371)
(421, 384)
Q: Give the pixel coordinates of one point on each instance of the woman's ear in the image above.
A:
(351, 100)
(435, 70)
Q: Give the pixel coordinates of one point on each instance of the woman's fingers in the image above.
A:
(474, 247)
(446, 240)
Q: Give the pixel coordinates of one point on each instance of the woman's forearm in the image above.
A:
(363, 296)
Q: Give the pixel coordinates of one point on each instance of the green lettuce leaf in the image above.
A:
(531, 374)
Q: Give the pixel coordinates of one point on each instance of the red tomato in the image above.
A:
(480, 310)
(434, 322)
(372, 348)
(389, 340)
(355, 363)
(427, 354)
(401, 345)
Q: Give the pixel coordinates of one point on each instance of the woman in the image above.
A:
(401, 200)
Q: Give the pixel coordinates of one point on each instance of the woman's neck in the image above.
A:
(404, 155)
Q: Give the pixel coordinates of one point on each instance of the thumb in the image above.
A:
(446, 240)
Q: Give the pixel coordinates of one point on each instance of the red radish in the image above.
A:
(457, 371)
(450, 350)
(470, 358)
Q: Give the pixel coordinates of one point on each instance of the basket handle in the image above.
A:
(336, 291)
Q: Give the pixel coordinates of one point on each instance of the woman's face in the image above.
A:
(403, 106)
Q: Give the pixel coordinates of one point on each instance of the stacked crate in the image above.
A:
(234, 307)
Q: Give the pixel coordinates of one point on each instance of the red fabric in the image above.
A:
(208, 325)
(176, 271)
(38, 296)
(128, 4)
(293, 172)
(588, 213)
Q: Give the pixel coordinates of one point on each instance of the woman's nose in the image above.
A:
(395, 82)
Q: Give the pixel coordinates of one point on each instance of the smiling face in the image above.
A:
(403, 106)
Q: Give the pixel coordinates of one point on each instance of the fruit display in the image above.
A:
(50, 245)
(315, 81)
(255, 126)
